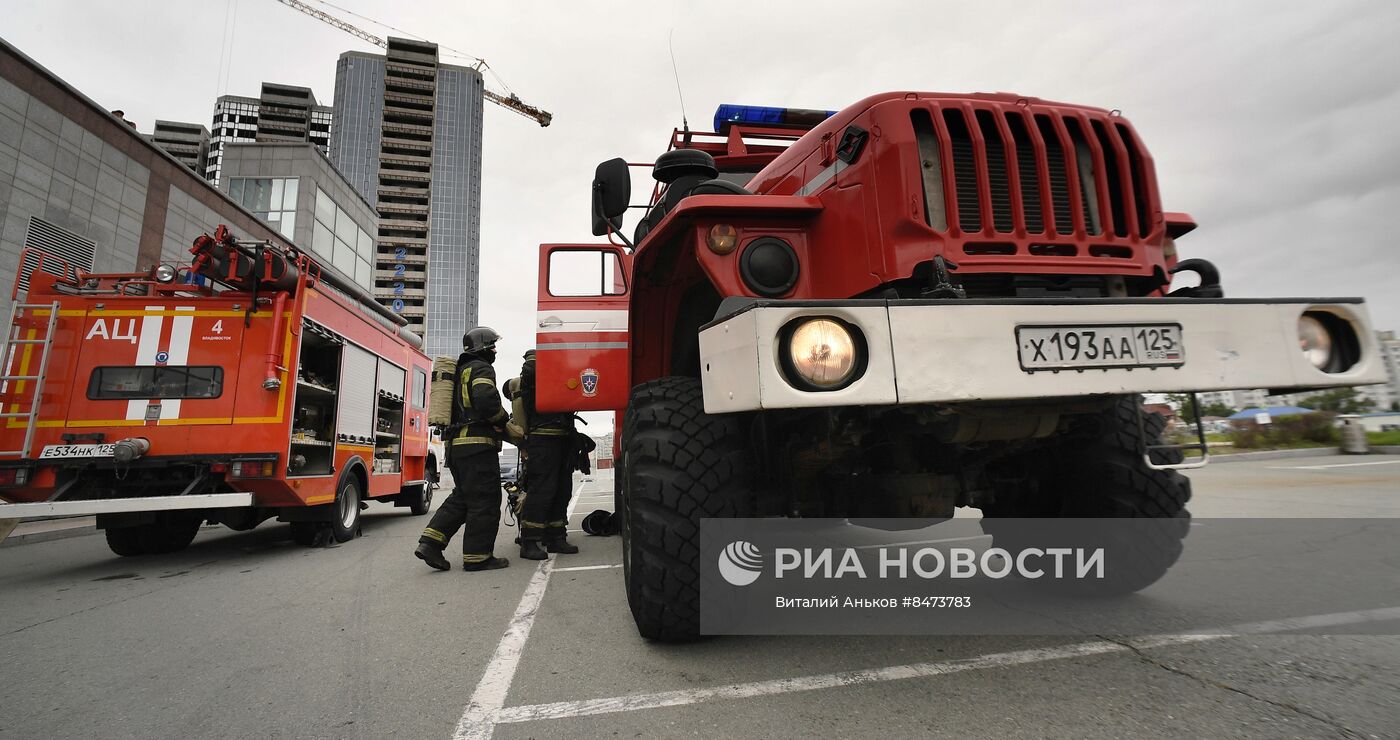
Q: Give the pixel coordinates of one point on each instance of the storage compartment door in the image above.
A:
(357, 392)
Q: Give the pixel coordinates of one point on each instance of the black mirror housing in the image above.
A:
(612, 189)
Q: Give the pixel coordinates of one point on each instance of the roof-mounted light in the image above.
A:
(804, 118)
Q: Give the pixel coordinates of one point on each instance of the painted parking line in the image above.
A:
(479, 718)
(587, 567)
(682, 697)
(1337, 465)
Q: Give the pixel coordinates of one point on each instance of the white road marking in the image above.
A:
(1337, 465)
(587, 567)
(479, 719)
(587, 707)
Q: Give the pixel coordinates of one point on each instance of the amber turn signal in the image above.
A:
(723, 238)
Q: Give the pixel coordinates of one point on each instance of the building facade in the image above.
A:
(78, 182)
(281, 113)
(407, 134)
(187, 142)
(294, 188)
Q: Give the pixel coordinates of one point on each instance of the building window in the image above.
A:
(273, 200)
(338, 240)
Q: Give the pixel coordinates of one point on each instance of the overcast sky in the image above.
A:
(1277, 125)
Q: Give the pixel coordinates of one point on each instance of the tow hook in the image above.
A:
(1210, 279)
(129, 449)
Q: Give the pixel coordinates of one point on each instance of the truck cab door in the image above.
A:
(582, 354)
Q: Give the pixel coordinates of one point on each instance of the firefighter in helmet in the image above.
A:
(473, 444)
(549, 444)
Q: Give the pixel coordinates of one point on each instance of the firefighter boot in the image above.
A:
(432, 555)
(531, 550)
(561, 545)
(490, 563)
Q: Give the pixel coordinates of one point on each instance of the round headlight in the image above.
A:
(823, 353)
(165, 273)
(1315, 341)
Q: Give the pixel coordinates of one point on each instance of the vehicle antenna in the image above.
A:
(685, 124)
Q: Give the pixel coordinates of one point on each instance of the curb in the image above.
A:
(78, 527)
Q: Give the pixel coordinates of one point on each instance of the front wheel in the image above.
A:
(679, 465)
(1101, 477)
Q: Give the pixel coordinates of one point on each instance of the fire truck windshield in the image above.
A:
(122, 383)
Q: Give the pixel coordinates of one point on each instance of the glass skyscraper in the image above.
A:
(407, 134)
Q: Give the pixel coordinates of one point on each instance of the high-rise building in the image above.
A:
(282, 113)
(187, 142)
(407, 134)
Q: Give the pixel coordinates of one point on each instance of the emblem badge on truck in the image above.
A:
(589, 377)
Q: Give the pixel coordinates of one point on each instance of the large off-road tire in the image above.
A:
(1100, 474)
(678, 465)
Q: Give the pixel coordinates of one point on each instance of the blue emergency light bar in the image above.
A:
(804, 118)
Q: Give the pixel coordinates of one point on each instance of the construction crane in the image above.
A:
(508, 100)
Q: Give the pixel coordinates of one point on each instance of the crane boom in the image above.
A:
(509, 101)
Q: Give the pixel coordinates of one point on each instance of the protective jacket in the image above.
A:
(477, 413)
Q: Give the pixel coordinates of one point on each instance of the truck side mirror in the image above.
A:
(612, 188)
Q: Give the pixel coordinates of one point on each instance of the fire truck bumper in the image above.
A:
(959, 351)
(126, 505)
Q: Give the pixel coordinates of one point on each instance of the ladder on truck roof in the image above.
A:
(16, 360)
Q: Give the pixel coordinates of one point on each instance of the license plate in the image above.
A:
(1100, 346)
(74, 452)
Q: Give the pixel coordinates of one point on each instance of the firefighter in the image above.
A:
(549, 444)
(474, 443)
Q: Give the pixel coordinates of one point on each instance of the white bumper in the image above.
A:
(961, 351)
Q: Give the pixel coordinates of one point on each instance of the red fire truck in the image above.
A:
(251, 384)
(919, 302)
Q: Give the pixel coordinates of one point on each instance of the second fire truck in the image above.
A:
(249, 385)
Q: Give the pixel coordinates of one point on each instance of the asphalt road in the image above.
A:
(248, 635)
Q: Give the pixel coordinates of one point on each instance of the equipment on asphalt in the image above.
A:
(918, 302)
(253, 383)
(600, 523)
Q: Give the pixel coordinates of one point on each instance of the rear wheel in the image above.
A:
(125, 541)
(347, 510)
(169, 532)
(678, 465)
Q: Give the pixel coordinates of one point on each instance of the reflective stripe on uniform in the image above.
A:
(473, 559)
(560, 523)
(531, 525)
(551, 432)
(476, 441)
(484, 381)
(433, 534)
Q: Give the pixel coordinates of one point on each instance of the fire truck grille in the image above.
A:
(1060, 174)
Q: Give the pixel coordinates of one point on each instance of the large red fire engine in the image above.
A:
(918, 302)
(251, 384)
